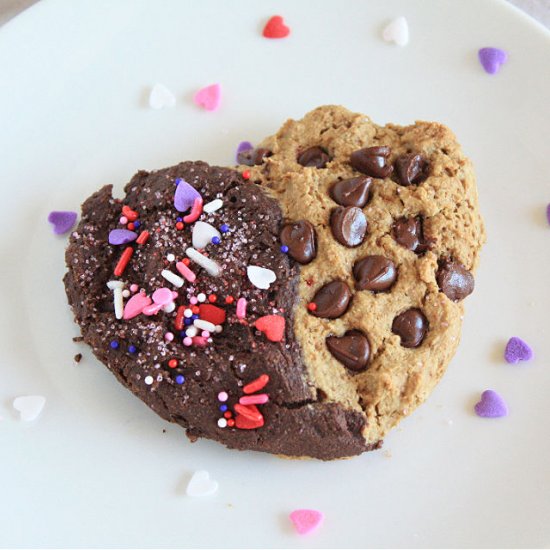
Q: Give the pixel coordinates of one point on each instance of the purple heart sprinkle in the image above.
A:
(492, 58)
(491, 405)
(185, 195)
(243, 146)
(62, 221)
(517, 350)
(548, 213)
(121, 236)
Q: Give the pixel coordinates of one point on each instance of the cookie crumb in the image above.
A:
(78, 358)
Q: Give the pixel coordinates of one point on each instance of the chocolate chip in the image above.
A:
(372, 161)
(332, 300)
(351, 192)
(301, 240)
(411, 169)
(352, 349)
(376, 273)
(411, 326)
(409, 232)
(349, 225)
(252, 157)
(314, 157)
(454, 280)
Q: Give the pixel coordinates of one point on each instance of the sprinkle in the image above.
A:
(260, 277)
(275, 28)
(192, 331)
(179, 226)
(200, 485)
(132, 215)
(250, 412)
(222, 423)
(134, 288)
(223, 397)
(180, 379)
(135, 305)
(224, 228)
(186, 272)
(219, 329)
(201, 298)
(123, 220)
(273, 326)
(227, 414)
(193, 300)
(284, 249)
(491, 59)
(548, 213)
(256, 385)
(212, 206)
(517, 350)
(131, 226)
(116, 287)
(223, 408)
(161, 97)
(143, 237)
(29, 407)
(137, 224)
(62, 221)
(491, 405)
(178, 322)
(397, 31)
(204, 325)
(187, 322)
(216, 240)
(173, 363)
(241, 148)
(125, 294)
(229, 299)
(209, 98)
(169, 336)
(246, 175)
(187, 341)
(114, 344)
(244, 423)
(148, 380)
(230, 422)
(210, 266)
(199, 341)
(205, 334)
(306, 521)
(123, 261)
(170, 257)
(212, 298)
(241, 308)
(259, 399)
(132, 348)
(172, 278)
(196, 211)
(312, 306)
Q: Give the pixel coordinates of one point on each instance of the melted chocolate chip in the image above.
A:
(409, 233)
(351, 192)
(376, 273)
(253, 157)
(454, 280)
(349, 225)
(332, 300)
(372, 161)
(411, 326)
(314, 157)
(352, 349)
(411, 169)
(301, 240)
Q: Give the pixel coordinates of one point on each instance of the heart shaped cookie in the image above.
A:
(284, 334)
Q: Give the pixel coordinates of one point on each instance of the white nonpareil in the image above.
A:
(397, 31)
(260, 277)
(203, 233)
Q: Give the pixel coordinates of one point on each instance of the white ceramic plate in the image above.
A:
(97, 469)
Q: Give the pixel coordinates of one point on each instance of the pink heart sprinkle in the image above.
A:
(163, 296)
(135, 305)
(209, 97)
(306, 521)
(491, 405)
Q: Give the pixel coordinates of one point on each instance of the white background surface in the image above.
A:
(96, 469)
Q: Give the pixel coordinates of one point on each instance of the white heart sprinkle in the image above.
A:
(260, 277)
(203, 233)
(200, 485)
(212, 206)
(397, 31)
(29, 406)
(161, 97)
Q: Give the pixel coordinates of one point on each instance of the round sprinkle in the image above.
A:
(126, 293)
(137, 224)
(201, 297)
(218, 329)
(312, 306)
(187, 341)
(132, 348)
(194, 316)
(187, 313)
(148, 380)
(205, 334)
(246, 175)
(179, 226)
(131, 226)
(115, 344)
(223, 408)
(228, 414)
(134, 288)
(191, 331)
(222, 396)
(169, 336)
(193, 300)
(212, 298)
(216, 240)
(222, 423)
(170, 257)
(284, 249)
(229, 299)
(224, 228)
(186, 261)
(180, 379)
(178, 219)
(177, 181)
(230, 422)
(123, 220)
(173, 363)
(188, 322)
(195, 309)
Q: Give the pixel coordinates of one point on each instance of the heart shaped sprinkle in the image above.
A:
(260, 277)
(62, 221)
(548, 213)
(209, 98)
(161, 97)
(29, 406)
(306, 521)
(517, 350)
(185, 195)
(491, 59)
(121, 236)
(491, 405)
(273, 326)
(275, 28)
(200, 485)
(203, 233)
(135, 305)
(397, 31)
(241, 148)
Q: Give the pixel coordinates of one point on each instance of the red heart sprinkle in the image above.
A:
(244, 423)
(273, 326)
(275, 28)
(130, 214)
(212, 314)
